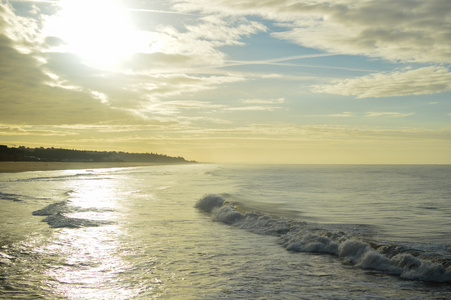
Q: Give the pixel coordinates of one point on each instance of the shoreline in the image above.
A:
(24, 166)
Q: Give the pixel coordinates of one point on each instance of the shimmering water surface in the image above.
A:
(220, 231)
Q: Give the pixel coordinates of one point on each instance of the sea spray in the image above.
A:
(350, 248)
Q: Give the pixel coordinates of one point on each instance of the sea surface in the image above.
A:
(206, 231)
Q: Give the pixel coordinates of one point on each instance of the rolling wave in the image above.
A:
(429, 263)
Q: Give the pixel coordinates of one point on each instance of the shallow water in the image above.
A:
(281, 232)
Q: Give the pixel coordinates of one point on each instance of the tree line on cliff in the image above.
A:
(70, 155)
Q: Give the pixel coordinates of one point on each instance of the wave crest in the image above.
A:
(210, 202)
(393, 259)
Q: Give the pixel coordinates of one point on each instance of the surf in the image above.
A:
(349, 244)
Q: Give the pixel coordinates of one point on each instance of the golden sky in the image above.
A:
(236, 81)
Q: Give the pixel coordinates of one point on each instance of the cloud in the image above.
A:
(258, 105)
(190, 104)
(388, 114)
(222, 31)
(40, 84)
(252, 108)
(321, 133)
(174, 107)
(26, 98)
(263, 101)
(273, 61)
(408, 31)
(22, 32)
(36, 1)
(6, 130)
(193, 45)
(124, 90)
(427, 80)
(345, 114)
(175, 46)
(395, 30)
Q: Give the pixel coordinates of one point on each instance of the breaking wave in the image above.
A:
(56, 216)
(351, 245)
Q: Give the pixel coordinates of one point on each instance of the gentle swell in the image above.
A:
(60, 221)
(78, 176)
(408, 263)
(10, 197)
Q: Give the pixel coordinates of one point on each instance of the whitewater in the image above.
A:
(209, 231)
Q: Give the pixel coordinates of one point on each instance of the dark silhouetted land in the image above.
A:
(19, 159)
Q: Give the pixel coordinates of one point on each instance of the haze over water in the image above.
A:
(212, 231)
(236, 81)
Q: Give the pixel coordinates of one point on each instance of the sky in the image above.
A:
(230, 81)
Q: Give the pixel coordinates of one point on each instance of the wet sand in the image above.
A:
(22, 166)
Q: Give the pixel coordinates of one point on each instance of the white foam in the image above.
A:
(418, 269)
(352, 250)
(227, 214)
(209, 202)
(303, 237)
(309, 242)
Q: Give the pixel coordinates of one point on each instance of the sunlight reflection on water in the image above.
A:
(97, 193)
(144, 239)
(93, 263)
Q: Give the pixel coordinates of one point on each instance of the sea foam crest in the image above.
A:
(305, 241)
(210, 202)
(304, 237)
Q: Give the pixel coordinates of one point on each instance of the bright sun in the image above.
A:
(99, 31)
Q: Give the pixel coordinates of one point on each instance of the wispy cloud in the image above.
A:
(345, 114)
(8, 130)
(232, 63)
(427, 80)
(252, 108)
(388, 114)
(284, 61)
(158, 11)
(257, 105)
(263, 101)
(36, 1)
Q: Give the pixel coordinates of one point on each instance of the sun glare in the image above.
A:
(99, 31)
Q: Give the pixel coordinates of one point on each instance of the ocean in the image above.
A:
(209, 231)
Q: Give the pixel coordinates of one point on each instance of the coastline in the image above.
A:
(24, 166)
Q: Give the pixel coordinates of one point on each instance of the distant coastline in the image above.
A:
(72, 155)
(21, 159)
(24, 166)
